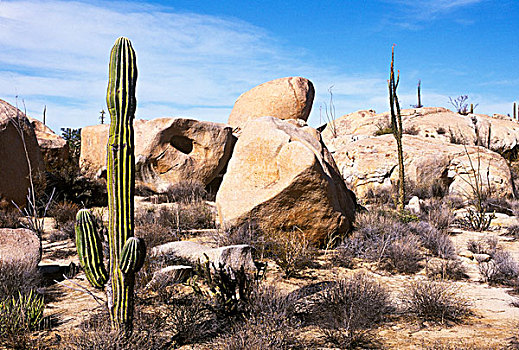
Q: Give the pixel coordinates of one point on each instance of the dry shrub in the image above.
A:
(403, 255)
(290, 250)
(96, 334)
(381, 238)
(269, 325)
(438, 213)
(350, 308)
(435, 188)
(10, 218)
(501, 269)
(63, 212)
(485, 245)
(435, 301)
(186, 192)
(380, 196)
(411, 130)
(450, 269)
(437, 242)
(513, 231)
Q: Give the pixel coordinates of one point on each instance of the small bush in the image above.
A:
(441, 131)
(380, 196)
(269, 325)
(485, 245)
(384, 127)
(290, 250)
(228, 291)
(501, 269)
(451, 269)
(438, 213)
(437, 242)
(381, 238)
(435, 301)
(186, 192)
(436, 188)
(513, 231)
(411, 130)
(404, 256)
(10, 218)
(350, 308)
(17, 278)
(63, 213)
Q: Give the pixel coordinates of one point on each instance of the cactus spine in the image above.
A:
(90, 249)
(121, 102)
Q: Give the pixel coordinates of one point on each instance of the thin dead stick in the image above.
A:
(80, 289)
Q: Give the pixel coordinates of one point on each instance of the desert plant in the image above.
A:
(411, 130)
(501, 269)
(126, 253)
(73, 138)
(290, 250)
(186, 192)
(484, 245)
(228, 290)
(438, 213)
(476, 216)
(269, 325)
(461, 105)
(436, 241)
(397, 129)
(330, 113)
(435, 301)
(20, 315)
(446, 269)
(418, 95)
(350, 308)
(383, 127)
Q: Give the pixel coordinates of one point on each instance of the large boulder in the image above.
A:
(19, 247)
(53, 147)
(498, 133)
(371, 163)
(167, 150)
(282, 176)
(18, 147)
(285, 98)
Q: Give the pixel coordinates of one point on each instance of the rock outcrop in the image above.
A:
(18, 144)
(54, 148)
(498, 133)
(371, 163)
(167, 150)
(282, 176)
(19, 247)
(285, 98)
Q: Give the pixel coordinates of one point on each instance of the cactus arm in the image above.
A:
(89, 248)
(133, 255)
(121, 104)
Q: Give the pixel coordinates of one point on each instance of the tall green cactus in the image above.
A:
(127, 253)
(121, 102)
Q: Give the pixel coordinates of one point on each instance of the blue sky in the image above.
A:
(196, 57)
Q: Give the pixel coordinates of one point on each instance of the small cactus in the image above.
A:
(90, 249)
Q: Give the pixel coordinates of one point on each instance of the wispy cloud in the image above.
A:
(411, 14)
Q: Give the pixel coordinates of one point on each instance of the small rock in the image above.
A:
(414, 205)
(170, 275)
(234, 256)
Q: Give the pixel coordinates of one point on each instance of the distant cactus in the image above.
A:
(396, 126)
(127, 253)
(515, 111)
